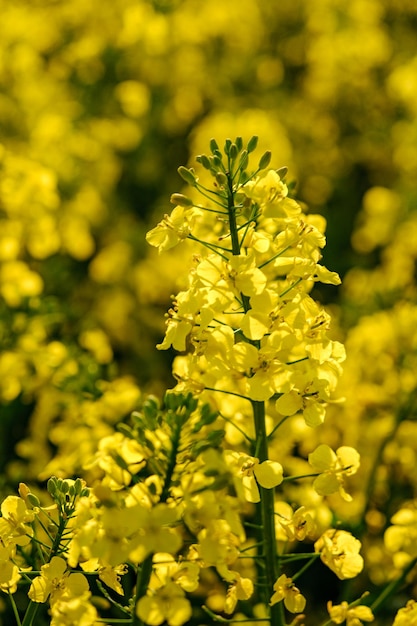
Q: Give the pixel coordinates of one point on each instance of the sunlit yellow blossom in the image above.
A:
(401, 537)
(172, 229)
(268, 190)
(9, 572)
(339, 550)
(264, 369)
(71, 611)
(286, 590)
(240, 589)
(353, 615)
(120, 458)
(157, 533)
(111, 576)
(217, 544)
(55, 581)
(168, 603)
(333, 467)
(407, 615)
(250, 473)
(184, 573)
(14, 522)
(293, 525)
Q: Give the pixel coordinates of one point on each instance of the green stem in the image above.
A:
(265, 511)
(232, 218)
(15, 611)
(267, 516)
(145, 572)
(393, 586)
(30, 613)
(402, 414)
(142, 584)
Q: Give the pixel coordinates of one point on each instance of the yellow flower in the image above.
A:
(401, 537)
(217, 544)
(9, 572)
(353, 615)
(168, 603)
(250, 473)
(120, 458)
(407, 615)
(155, 535)
(339, 550)
(285, 590)
(241, 589)
(293, 525)
(55, 581)
(334, 466)
(14, 528)
(73, 611)
(264, 370)
(172, 229)
(269, 191)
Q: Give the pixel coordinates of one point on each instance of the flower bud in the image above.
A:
(244, 160)
(221, 178)
(23, 491)
(33, 500)
(214, 146)
(227, 146)
(204, 160)
(252, 143)
(187, 175)
(233, 151)
(265, 160)
(180, 200)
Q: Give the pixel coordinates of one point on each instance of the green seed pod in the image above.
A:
(265, 160)
(180, 200)
(252, 143)
(187, 175)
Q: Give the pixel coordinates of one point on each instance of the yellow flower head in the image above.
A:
(285, 590)
(55, 581)
(333, 467)
(168, 604)
(172, 229)
(249, 473)
(14, 528)
(407, 615)
(339, 550)
(354, 615)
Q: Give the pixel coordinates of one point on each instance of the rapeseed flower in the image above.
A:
(249, 474)
(286, 590)
(333, 466)
(353, 615)
(339, 550)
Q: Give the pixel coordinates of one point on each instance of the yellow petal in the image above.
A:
(268, 474)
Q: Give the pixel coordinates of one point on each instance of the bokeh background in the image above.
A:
(100, 102)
